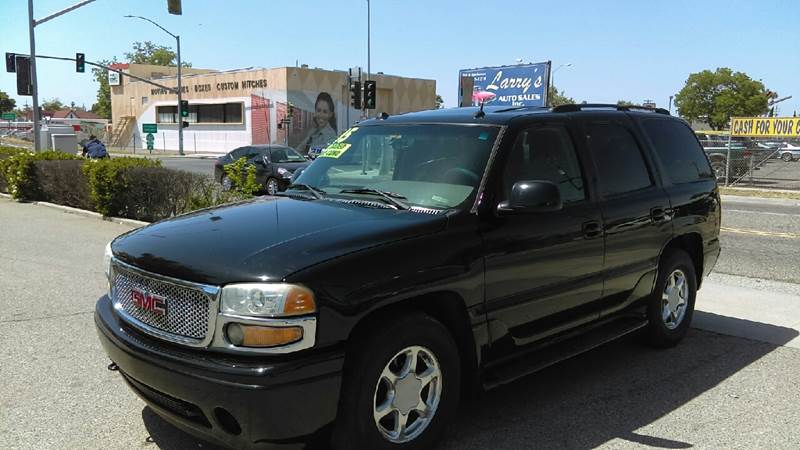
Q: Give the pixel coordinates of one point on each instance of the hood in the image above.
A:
(265, 239)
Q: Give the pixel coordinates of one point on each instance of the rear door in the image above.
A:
(635, 207)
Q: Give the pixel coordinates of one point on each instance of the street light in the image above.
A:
(180, 89)
(553, 76)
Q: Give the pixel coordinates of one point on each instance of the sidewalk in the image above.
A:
(740, 306)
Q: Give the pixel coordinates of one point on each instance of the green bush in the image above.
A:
(155, 193)
(243, 177)
(5, 153)
(107, 183)
(62, 182)
(20, 177)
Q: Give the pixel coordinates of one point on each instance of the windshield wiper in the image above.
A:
(317, 193)
(390, 197)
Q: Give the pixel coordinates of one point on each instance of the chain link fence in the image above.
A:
(765, 163)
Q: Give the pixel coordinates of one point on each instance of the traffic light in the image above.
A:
(24, 82)
(355, 94)
(370, 93)
(184, 108)
(80, 63)
(11, 65)
(174, 7)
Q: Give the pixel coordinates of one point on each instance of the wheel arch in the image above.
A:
(691, 243)
(447, 307)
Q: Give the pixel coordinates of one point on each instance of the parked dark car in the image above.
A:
(275, 165)
(418, 256)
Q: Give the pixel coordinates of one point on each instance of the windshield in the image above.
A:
(432, 165)
(285, 154)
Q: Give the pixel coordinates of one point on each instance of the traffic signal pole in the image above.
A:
(37, 144)
(180, 97)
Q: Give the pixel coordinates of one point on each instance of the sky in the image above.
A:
(624, 49)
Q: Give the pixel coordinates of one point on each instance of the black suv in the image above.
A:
(418, 256)
(275, 165)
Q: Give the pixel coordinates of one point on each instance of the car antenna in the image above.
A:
(480, 114)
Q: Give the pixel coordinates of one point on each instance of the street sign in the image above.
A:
(149, 138)
(9, 116)
(149, 128)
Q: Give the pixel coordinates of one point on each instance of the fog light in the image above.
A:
(242, 335)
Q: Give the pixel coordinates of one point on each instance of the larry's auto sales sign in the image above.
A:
(520, 85)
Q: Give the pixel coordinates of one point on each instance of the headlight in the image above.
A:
(107, 255)
(267, 300)
(284, 172)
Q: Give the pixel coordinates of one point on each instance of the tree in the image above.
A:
(103, 106)
(149, 53)
(6, 103)
(626, 103)
(143, 53)
(54, 104)
(439, 101)
(715, 97)
(557, 98)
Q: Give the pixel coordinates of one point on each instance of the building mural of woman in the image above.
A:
(324, 130)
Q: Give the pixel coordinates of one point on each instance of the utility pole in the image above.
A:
(37, 144)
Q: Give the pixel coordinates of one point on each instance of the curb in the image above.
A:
(82, 212)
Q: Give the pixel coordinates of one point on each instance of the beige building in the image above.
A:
(298, 106)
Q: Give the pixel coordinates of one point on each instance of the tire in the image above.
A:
(787, 157)
(365, 385)
(667, 321)
(718, 167)
(272, 186)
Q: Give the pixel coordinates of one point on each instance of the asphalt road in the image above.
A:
(713, 391)
(774, 174)
(204, 166)
(760, 238)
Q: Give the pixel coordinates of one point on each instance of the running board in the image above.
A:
(536, 360)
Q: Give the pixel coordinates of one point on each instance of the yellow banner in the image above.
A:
(766, 126)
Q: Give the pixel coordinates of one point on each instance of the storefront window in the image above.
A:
(211, 113)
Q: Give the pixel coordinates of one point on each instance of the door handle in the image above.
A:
(592, 229)
(660, 214)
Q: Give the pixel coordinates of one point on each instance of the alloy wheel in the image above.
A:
(272, 187)
(407, 394)
(674, 299)
(227, 184)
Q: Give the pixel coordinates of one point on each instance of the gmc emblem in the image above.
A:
(149, 302)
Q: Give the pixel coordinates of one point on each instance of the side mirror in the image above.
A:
(535, 196)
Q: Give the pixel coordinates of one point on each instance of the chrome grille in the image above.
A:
(188, 306)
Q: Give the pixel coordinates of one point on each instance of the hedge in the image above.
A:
(19, 174)
(135, 188)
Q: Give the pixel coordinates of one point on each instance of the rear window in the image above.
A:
(681, 156)
(620, 165)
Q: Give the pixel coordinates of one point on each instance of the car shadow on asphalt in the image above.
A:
(587, 401)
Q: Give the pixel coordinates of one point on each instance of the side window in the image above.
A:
(681, 156)
(620, 165)
(545, 152)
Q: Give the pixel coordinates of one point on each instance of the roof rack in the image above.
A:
(581, 107)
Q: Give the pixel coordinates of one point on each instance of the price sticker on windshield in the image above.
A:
(339, 146)
(334, 150)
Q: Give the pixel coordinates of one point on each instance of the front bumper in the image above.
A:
(239, 402)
